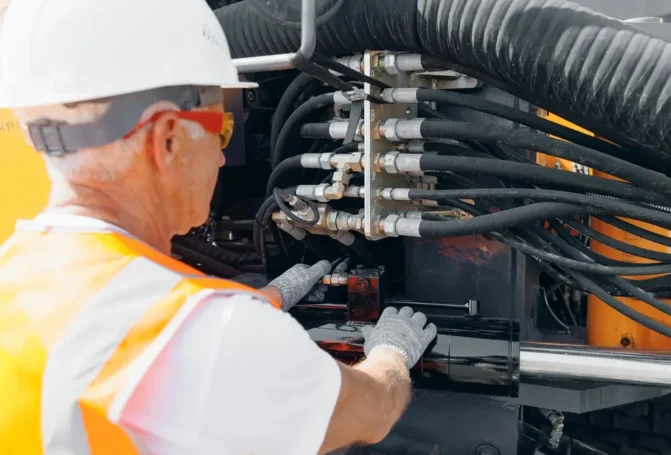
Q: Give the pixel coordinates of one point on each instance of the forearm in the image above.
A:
(373, 397)
(392, 388)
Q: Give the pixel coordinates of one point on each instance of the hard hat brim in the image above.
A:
(241, 85)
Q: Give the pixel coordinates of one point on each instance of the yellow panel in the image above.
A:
(24, 186)
(551, 161)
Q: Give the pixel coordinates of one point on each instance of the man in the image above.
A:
(108, 345)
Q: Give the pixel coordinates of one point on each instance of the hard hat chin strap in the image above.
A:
(59, 138)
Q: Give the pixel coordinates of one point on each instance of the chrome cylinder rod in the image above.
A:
(575, 362)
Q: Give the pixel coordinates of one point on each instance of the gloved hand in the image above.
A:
(297, 282)
(401, 331)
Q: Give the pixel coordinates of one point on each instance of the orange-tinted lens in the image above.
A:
(226, 129)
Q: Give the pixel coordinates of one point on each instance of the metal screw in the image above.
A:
(372, 115)
(625, 341)
(362, 284)
(251, 96)
(486, 449)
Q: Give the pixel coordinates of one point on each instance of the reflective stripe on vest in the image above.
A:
(82, 317)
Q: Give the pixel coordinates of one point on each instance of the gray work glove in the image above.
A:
(402, 331)
(298, 281)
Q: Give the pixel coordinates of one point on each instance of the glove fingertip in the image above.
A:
(430, 332)
(389, 311)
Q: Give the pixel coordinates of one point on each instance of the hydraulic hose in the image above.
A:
(533, 173)
(454, 98)
(528, 140)
(580, 280)
(417, 129)
(617, 244)
(497, 221)
(637, 231)
(589, 203)
(319, 101)
(617, 281)
(288, 165)
(286, 105)
(595, 71)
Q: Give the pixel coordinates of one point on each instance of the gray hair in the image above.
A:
(101, 164)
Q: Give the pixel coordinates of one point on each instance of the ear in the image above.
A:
(167, 140)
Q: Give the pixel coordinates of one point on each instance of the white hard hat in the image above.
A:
(64, 51)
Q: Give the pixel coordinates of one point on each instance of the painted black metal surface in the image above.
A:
(470, 355)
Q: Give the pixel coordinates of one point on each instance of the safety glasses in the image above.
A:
(219, 123)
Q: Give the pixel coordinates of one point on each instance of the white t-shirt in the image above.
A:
(239, 377)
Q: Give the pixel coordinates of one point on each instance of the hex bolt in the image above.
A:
(486, 449)
(362, 284)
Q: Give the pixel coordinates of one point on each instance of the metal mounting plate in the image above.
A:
(374, 144)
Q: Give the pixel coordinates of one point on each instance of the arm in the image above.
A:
(372, 398)
(242, 377)
(375, 393)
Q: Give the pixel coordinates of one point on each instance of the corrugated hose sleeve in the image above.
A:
(596, 71)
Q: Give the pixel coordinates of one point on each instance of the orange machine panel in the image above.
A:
(559, 163)
(24, 186)
(605, 326)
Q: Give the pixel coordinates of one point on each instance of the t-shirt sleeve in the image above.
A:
(238, 377)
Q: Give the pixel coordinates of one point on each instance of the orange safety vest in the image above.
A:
(82, 317)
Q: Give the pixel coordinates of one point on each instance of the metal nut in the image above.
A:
(389, 64)
(355, 161)
(389, 162)
(389, 129)
(332, 221)
(320, 192)
(325, 160)
(389, 225)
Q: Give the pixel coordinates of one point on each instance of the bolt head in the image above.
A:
(362, 284)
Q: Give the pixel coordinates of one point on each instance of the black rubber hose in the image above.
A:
(497, 221)
(455, 150)
(291, 163)
(529, 140)
(598, 72)
(319, 101)
(637, 231)
(523, 118)
(616, 244)
(617, 281)
(620, 307)
(572, 264)
(566, 235)
(567, 263)
(316, 130)
(535, 174)
(286, 105)
(591, 204)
